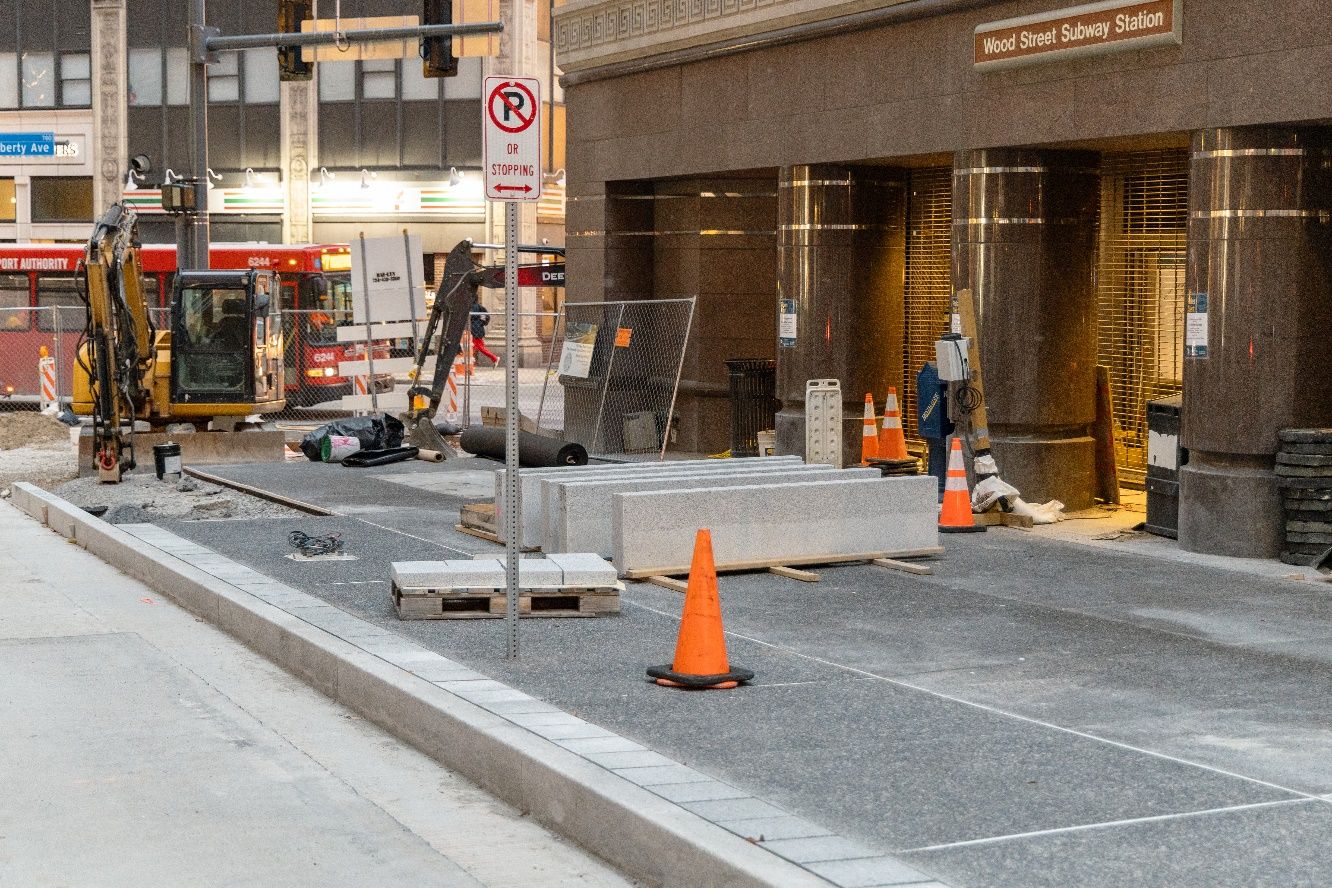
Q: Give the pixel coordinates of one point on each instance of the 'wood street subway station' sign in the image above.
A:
(1082, 30)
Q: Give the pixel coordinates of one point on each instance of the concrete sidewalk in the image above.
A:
(141, 746)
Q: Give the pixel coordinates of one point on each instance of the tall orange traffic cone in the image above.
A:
(956, 515)
(892, 442)
(869, 435)
(700, 651)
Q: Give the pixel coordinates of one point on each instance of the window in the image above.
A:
(14, 302)
(224, 78)
(337, 81)
(9, 90)
(75, 79)
(62, 294)
(213, 340)
(145, 76)
(62, 198)
(178, 76)
(415, 85)
(38, 80)
(467, 85)
(8, 201)
(261, 76)
(379, 79)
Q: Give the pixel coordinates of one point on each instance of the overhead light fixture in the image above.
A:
(455, 177)
(366, 176)
(132, 180)
(169, 176)
(249, 177)
(559, 177)
(325, 175)
(212, 176)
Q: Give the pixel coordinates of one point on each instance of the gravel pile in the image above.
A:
(35, 448)
(140, 498)
(22, 429)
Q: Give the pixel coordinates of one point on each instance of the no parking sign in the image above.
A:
(512, 126)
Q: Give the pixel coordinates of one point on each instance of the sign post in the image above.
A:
(511, 122)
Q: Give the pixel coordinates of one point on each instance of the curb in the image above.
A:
(644, 834)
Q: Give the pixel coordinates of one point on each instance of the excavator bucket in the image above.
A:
(421, 432)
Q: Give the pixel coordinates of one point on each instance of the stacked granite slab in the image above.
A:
(807, 522)
(582, 584)
(533, 506)
(578, 513)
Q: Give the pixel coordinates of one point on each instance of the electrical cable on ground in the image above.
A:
(310, 546)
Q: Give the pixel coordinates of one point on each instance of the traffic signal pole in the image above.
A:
(205, 42)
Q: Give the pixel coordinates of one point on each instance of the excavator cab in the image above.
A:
(226, 343)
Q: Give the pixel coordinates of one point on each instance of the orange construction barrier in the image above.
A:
(892, 441)
(869, 435)
(700, 651)
(956, 515)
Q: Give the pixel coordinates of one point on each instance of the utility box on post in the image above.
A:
(1164, 458)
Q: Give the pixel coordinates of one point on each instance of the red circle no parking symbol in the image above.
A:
(511, 107)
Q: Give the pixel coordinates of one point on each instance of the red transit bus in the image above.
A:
(316, 299)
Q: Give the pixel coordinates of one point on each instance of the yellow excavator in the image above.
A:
(220, 359)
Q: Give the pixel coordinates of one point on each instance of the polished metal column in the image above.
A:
(1256, 354)
(1024, 242)
(841, 258)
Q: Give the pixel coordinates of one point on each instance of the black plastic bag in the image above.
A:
(373, 432)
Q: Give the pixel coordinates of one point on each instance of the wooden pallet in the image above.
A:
(478, 520)
(489, 604)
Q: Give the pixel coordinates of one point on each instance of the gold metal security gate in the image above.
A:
(1140, 291)
(928, 278)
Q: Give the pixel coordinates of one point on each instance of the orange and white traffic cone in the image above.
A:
(700, 650)
(892, 441)
(869, 435)
(956, 517)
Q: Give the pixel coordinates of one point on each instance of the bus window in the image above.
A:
(14, 302)
(62, 294)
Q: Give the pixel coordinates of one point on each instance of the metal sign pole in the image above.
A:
(369, 346)
(411, 289)
(513, 508)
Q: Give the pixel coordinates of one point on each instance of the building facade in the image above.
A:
(366, 147)
(1144, 186)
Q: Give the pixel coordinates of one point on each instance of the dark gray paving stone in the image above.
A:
(1274, 847)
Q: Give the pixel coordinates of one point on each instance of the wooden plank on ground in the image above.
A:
(923, 570)
(737, 566)
(667, 583)
(792, 573)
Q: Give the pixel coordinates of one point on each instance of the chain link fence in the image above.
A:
(24, 332)
(619, 371)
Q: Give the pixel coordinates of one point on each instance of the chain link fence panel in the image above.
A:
(619, 371)
(24, 332)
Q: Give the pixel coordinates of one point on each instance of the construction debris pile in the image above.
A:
(141, 498)
(35, 447)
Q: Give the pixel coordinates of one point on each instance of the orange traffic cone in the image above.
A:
(956, 515)
(869, 435)
(892, 442)
(700, 651)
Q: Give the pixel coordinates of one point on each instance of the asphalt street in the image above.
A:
(1036, 713)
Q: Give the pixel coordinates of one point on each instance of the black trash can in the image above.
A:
(753, 402)
(1164, 458)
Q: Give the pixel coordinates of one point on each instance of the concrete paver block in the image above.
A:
(578, 513)
(708, 791)
(773, 828)
(778, 523)
(734, 809)
(487, 573)
(529, 482)
(671, 773)
(584, 569)
(815, 849)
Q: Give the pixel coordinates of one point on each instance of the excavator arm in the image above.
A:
(449, 317)
(120, 337)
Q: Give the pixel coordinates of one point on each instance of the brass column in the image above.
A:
(841, 250)
(1260, 251)
(1024, 242)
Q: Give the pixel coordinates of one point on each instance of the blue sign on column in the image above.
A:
(27, 144)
